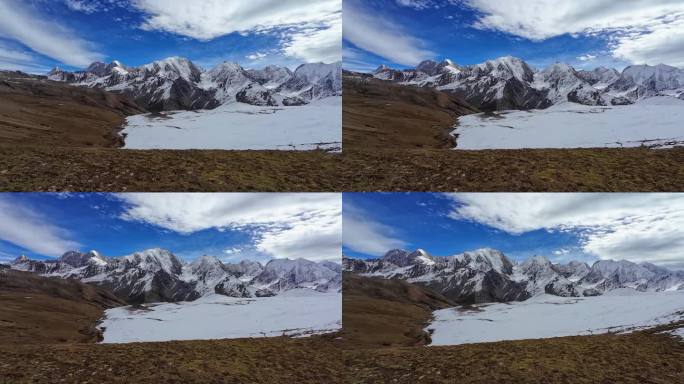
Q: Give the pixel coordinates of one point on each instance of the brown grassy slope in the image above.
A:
(379, 312)
(115, 170)
(311, 360)
(36, 309)
(638, 358)
(379, 115)
(544, 170)
(36, 111)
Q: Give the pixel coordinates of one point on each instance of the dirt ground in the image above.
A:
(267, 360)
(117, 170)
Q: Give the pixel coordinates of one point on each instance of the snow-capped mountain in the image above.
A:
(510, 83)
(158, 275)
(487, 275)
(177, 83)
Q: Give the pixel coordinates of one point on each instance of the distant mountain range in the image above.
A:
(157, 275)
(487, 275)
(177, 83)
(510, 83)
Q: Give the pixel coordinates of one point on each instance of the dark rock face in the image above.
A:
(178, 84)
(510, 83)
(487, 275)
(157, 275)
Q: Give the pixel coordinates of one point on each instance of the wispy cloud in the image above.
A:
(306, 225)
(382, 37)
(363, 234)
(638, 227)
(639, 31)
(311, 31)
(27, 228)
(46, 37)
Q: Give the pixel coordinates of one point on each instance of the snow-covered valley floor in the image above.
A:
(547, 316)
(656, 122)
(294, 313)
(240, 127)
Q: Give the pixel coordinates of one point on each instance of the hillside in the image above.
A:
(40, 112)
(380, 114)
(37, 310)
(378, 312)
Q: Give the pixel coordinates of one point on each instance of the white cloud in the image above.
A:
(312, 29)
(83, 6)
(640, 30)
(29, 229)
(317, 45)
(18, 60)
(362, 234)
(43, 36)
(664, 44)
(291, 225)
(637, 227)
(256, 56)
(382, 37)
(587, 57)
(416, 4)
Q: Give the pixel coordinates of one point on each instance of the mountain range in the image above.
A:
(176, 83)
(487, 275)
(157, 275)
(510, 83)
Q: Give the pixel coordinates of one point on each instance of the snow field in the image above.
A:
(656, 121)
(237, 126)
(296, 313)
(548, 316)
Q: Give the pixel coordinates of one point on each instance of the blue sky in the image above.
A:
(562, 227)
(232, 227)
(401, 33)
(36, 35)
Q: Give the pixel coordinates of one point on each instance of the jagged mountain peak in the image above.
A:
(176, 83)
(510, 83)
(488, 275)
(158, 275)
(205, 261)
(536, 260)
(21, 259)
(77, 259)
(485, 259)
